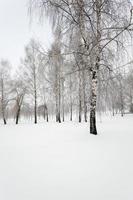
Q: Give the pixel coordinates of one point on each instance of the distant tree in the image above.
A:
(31, 69)
(18, 91)
(5, 68)
(56, 62)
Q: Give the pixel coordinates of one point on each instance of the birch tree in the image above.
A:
(56, 63)
(5, 68)
(104, 23)
(18, 91)
(31, 65)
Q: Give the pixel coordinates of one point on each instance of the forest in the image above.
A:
(87, 69)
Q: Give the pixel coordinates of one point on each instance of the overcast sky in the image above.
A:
(16, 30)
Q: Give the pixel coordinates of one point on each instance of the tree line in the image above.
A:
(82, 72)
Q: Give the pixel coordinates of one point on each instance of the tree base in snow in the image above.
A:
(93, 132)
(93, 129)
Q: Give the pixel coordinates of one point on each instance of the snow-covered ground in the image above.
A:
(64, 162)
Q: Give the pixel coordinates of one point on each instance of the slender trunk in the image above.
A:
(122, 114)
(80, 119)
(85, 112)
(35, 109)
(59, 98)
(71, 104)
(113, 112)
(19, 104)
(58, 118)
(122, 109)
(80, 57)
(56, 111)
(95, 68)
(56, 102)
(35, 97)
(121, 100)
(113, 107)
(71, 112)
(4, 121)
(17, 115)
(93, 129)
(3, 102)
(63, 112)
(58, 95)
(47, 116)
(3, 115)
(44, 114)
(80, 97)
(84, 96)
(63, 115)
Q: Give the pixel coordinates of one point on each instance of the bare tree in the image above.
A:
(103, 22)
(18, 91)
(31, 65)
(4, 87)
(56, 61)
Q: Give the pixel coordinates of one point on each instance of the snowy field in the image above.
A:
(64, 162)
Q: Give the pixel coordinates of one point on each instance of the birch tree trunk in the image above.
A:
(71, 103)
(17, 115)
(95, 68)
(80, 56)
(63, 109)
(35, 108)
(58, 95)
(47, 115)
(84, 95)
(19, 105)
(3, 102)
(35, 97)
(80, 96)
(93, 129)
(59, 100)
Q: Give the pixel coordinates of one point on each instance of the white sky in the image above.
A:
(16, 30)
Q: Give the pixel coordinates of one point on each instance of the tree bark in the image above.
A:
(84, 96)
(47, 116)
(71, 103)
(35, 98)
(80, 97)
(4, 121)
(93, 129)
(63, 105)
(58, 94)
(3, 102)
(71, 112)
(35, 109)
(46, 112)
(95, 69)
(18, 115)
